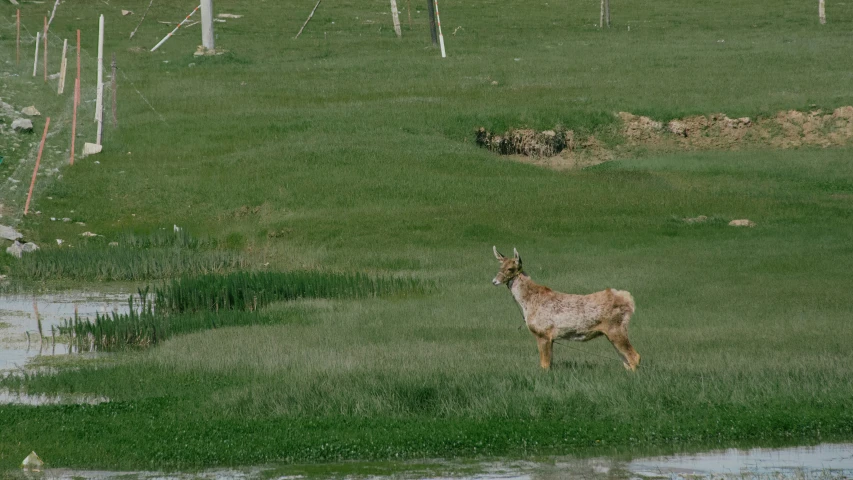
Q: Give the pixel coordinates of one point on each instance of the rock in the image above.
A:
(229, 15)
(677, 127)
(88, 234)
(17, 249)
(126, 12)
(22, 125)
(743, 222)
(59, 241)
(31, 111)
(10, 233)
(113, 244)
(66, 219)
(91, 149)
(32, 462)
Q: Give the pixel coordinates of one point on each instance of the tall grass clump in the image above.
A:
(251, 290)
(179, 238)
(122, 264)
(212, 301)
(144, 326)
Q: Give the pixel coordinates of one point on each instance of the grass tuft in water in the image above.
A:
(213, 301)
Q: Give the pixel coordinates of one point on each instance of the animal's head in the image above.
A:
(510, 267)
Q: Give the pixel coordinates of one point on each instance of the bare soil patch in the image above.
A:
(561, 148)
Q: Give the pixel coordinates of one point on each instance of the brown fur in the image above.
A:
(552, 315)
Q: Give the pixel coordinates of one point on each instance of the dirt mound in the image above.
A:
(560, 149)
(557, 148)
(787, 129)
(526, 142)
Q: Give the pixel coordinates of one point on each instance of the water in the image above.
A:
(28, 323)
(827, 461)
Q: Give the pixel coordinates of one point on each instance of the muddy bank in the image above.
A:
(562, 148)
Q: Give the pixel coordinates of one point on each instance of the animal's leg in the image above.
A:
(619, 338)
(545, 345)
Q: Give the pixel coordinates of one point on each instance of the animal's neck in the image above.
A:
(520, 288)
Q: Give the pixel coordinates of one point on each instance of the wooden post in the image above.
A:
(74, 117)
(395, 16)
(35, 170)
(601, 16)
(432, 32)
(207, 37)
(607, 12)
(141, 19)
(53, 12)
(821, 12)
(63, 67)
(18, 38)
(44, 39)
(307, 20)
(36, 61)
(114, 87)
(99, 100)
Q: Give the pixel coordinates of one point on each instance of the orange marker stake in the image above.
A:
(36, 170)
(74, 117)
(78, 68)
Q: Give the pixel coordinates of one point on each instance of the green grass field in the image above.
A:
(349, 150)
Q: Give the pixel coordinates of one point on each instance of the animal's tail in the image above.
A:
(624, 300)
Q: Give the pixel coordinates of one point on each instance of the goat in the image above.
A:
(551, 315)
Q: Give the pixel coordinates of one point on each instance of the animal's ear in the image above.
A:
(517, 256)
(498, 255)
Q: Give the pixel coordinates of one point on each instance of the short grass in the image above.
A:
(351, 150)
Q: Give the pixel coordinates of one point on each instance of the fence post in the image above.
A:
(114, 86)
(35, 170)
(99, 102)
(395, 16)
(432, 32)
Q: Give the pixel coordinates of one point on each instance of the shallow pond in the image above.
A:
(29, 324)
(827, 461)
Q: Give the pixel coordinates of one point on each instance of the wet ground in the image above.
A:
(29, 332)
(827, 461)
(29, 324)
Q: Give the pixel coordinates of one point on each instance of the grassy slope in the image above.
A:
(358, 149)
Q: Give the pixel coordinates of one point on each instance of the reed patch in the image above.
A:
(190, 304)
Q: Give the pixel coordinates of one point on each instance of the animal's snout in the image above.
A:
(495, 281)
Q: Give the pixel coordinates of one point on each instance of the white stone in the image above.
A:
(22, 125)
(31, 111)
(743, 222)
(9, 233)
(32, 462)
(91, 149)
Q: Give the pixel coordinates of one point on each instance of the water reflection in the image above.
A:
(29, 325)
(827, 461)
